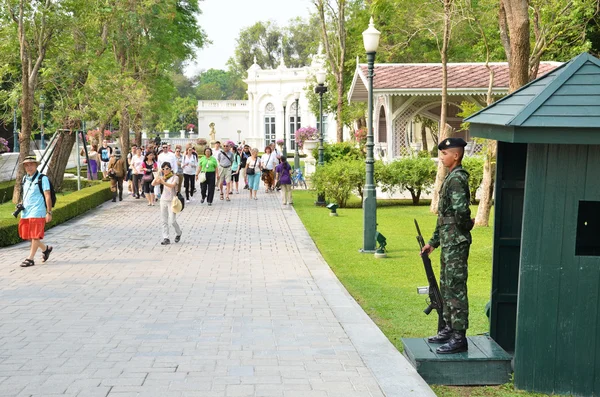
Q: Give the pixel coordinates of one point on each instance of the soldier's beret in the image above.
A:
(449, 143)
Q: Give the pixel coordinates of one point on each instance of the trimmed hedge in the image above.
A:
(67, 207)
(6, 191)
(7, 188)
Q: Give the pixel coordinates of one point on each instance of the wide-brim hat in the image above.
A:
(30, 159)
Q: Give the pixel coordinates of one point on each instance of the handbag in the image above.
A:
(147, 178)
(176, 205)
(202, 177)
(252, 171)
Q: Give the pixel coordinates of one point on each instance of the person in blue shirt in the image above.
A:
(37, 211)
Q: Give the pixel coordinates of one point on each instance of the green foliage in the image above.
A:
(263, 40)
(415, 174)
(474, 166)
(468, 109)
(339, 179)
(67, 207)
(215, 84)
(338, 151)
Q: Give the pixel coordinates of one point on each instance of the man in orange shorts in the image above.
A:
(36, 211)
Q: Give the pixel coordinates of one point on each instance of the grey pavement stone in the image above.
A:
(244, 305)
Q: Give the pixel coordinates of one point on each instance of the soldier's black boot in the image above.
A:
(442, 336)
(457, 344)
(114, 197)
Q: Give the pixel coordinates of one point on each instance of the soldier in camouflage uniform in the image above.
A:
(452, 232)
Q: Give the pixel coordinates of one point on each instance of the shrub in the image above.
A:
(67, 207)
(336, 151)
(474, 166)
(415, 174)
(338, 179)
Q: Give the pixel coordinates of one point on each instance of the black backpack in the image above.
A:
(39, 183)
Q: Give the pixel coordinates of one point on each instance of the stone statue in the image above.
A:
(212, 133)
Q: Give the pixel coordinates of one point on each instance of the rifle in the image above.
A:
(435, 297)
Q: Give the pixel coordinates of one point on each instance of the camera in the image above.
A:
(18, 210)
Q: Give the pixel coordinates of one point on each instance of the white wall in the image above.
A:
(228, 116)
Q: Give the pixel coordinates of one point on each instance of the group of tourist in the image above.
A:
(160, 172)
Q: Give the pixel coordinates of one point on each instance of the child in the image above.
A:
(285, 180)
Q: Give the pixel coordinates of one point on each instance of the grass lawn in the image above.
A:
(387, 288)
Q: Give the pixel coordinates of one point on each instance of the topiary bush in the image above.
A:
(415, 174)
(474, 166)
(67, 207)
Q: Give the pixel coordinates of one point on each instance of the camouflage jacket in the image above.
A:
(454, 215)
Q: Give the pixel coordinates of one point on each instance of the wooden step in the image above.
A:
(485, 363)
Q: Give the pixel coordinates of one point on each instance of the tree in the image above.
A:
(215, 84)
(444, 128)
(332, 18)
(266, 42)
(37, 25)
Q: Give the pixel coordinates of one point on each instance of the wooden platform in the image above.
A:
(486, 363)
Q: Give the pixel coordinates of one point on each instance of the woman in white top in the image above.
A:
(190, 163)
(169, 181)
(137, 172)
(268, 162)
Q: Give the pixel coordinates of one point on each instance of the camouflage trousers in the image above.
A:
(453, 285)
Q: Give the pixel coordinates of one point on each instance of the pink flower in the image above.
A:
(306, 134)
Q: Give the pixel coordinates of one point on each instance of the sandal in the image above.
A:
(46, 254)
(27, 263)
(221, 197)
(227, 198)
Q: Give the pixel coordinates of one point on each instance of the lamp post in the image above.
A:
(320, 89)
(371, 42)
(42, 106)
(284, 103)
(16, 146)
(296, 154)
(239, 132)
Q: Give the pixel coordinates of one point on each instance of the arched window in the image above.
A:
(269, 123)
(295, 123)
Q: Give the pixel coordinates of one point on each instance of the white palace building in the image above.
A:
(260, 119)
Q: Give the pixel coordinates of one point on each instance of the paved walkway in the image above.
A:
(234, 309)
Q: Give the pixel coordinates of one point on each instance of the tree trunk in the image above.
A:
(517, 16)
(340, 108)
(487, 186)
(137, 128)
(124, 131)
(24, 136)
(60, 158)
(424, 137)
(444, 132)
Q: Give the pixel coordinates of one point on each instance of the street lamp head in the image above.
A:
(42, 104)
(284, 103)
(297, 95)
(320, 75)
(371, 38)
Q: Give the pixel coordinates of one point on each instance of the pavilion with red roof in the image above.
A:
(402, 91)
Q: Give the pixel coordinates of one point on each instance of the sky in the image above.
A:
(222, 21)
